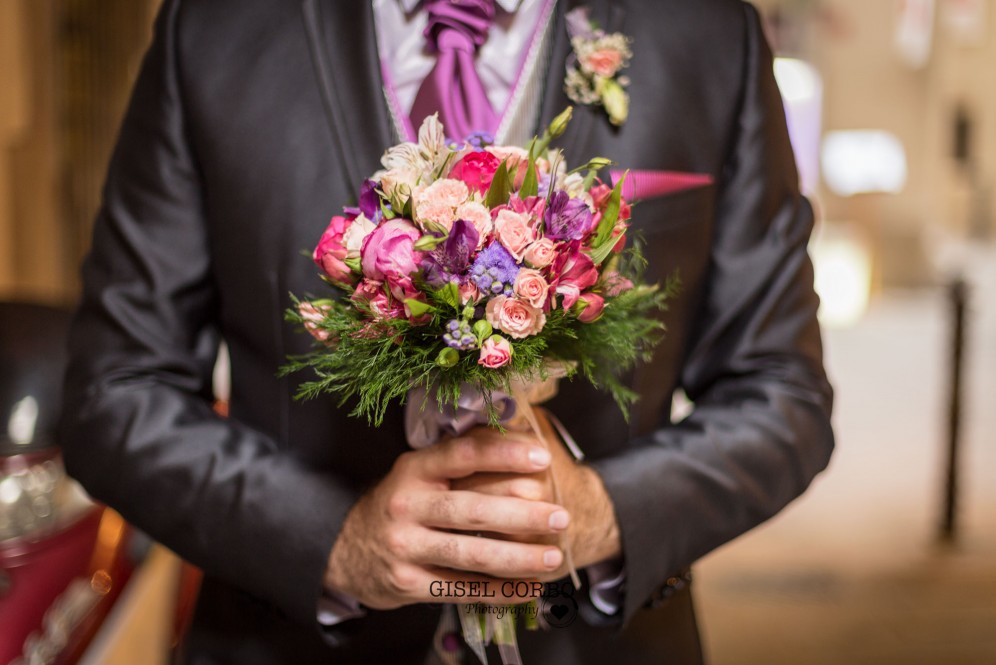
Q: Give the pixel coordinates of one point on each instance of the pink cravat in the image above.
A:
(456, 29)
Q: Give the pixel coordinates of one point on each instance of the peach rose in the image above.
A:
(515, 317)
(541, 253)
(514, 232)
(604, 62)
(531, 287)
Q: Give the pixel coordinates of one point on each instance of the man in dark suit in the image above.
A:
(251, 122)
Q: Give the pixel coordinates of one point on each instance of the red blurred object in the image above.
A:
(58, 583)
(63, 560)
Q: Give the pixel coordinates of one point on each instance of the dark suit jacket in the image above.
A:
(252, 122)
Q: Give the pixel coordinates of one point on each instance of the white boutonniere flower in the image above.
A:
(593, 70)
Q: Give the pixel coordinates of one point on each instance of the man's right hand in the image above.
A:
(411, 529)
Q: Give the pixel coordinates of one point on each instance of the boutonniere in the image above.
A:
(593, 70)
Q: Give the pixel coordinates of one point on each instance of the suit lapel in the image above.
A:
(342, 40)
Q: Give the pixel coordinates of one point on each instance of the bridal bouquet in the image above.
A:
(470, 266)
(467, 271)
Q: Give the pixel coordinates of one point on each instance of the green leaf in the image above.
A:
(610, 215)
(427, 243)
(482, 330)
(418, 308)
(601, 253)
(449, 294)
(388, 212)
(530, 185)
(501, 188)
(354, 264)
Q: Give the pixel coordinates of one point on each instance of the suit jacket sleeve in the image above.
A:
(138, 429)
(760, 430)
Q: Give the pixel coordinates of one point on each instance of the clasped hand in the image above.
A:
(472, 509)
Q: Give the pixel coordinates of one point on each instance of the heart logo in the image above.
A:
(559, 611)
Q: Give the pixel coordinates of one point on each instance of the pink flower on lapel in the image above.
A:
(593, 69)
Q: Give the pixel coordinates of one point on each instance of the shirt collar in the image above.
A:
(508, 5)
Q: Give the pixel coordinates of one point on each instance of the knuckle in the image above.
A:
(397, 544)
(404, 462)
(477, 512)
(398, 506)
(402, 580)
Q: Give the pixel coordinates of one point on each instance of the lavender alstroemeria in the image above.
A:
(566, 218)
(449, 260)
(494, 270)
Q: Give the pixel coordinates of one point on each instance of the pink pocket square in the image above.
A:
(649, 184)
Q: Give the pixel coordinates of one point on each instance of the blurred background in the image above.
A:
(889, 558)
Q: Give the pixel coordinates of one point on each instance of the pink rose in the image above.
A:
(604, 62)
(314, 316)
(389, 252)
(476, 169)
(516, 161)
(531, 287)
(591, 305)
(331, 251)
(469, 293)
(541, 253)
(514, 232)
(495, 352)
(515, 317)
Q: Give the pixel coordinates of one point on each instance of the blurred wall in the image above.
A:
(869, 86)
(66, 67)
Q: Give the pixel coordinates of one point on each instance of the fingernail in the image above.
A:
(552, 558)
(559, 520)
(539, 456)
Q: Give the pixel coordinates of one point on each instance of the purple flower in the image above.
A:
(566, 218)
(369, 205)
(450, 259)
(459, 336)
(369, 200)
(494, 270)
